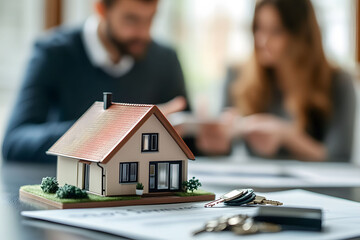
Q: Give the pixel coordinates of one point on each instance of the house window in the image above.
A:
(86, 176)
(152, 176)
(165, 176)
(150, 142)
(128, 172)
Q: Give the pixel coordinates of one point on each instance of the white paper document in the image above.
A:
(275, 174)
(341, 218)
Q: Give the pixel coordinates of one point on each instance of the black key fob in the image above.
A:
(291, 218)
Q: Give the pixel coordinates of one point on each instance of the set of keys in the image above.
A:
(240, 197)
(238, 224)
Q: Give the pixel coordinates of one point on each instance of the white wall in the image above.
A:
(76, 11)
(20, 22)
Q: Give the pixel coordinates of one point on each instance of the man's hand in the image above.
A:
(177, 104)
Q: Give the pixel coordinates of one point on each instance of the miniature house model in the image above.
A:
(113, 146)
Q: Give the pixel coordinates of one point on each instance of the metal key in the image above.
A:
(238, 224)
(236, 220)
(212, 226)
(269, 227)
(247, 227)
(227, 197)
(250, 227)
(263, 201)
(209, 227)
(248, 196)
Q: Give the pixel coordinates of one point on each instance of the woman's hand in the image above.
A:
(266, 133)
(215, 138)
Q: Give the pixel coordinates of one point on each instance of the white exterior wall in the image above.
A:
(67, 171)
(95, 179)
(71, 171)
(131, 152)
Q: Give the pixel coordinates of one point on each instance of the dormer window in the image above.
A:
(150, 142)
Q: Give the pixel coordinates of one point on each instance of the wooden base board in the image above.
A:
(143, 201)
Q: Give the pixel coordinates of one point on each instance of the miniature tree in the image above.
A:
(191, 185)
(49, 185)
(139, 186)
(70, 191)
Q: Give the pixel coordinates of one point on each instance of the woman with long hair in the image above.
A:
(290, 102)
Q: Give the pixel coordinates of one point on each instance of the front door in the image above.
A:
(165, 176)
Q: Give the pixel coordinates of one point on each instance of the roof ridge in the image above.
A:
(128, 132)
(134, 104)
(166, 124)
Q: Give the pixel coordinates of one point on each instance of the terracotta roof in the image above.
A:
(100, 133)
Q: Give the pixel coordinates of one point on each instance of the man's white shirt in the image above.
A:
(97, 53)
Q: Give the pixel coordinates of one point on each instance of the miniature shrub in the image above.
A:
(191, 185)
(70, 191)
(49, 185)
(139, 186)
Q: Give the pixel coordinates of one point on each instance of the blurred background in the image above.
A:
(209, 36)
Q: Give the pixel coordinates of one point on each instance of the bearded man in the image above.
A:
(71, 68)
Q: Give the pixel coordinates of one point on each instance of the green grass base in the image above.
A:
(198, 192)
(36, 190)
